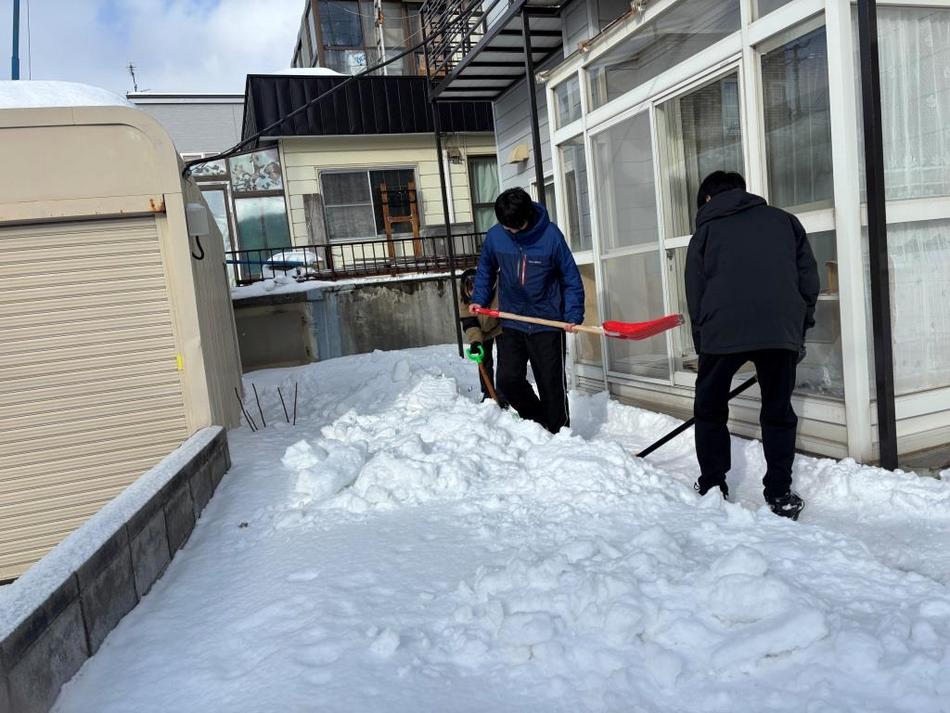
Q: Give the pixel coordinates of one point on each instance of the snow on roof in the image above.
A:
(309, 72)
(42, 93)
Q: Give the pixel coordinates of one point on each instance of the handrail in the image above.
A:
(450, 29)
(343, 260)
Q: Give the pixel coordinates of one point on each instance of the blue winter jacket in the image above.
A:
(535, 272)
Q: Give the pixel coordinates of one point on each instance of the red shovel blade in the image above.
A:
(642, 330)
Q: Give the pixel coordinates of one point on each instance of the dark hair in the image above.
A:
(514, 208)
(467, 285)
(718, 182)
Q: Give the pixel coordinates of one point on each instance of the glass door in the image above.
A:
(630, 243)
(216, 196)
(699, 132)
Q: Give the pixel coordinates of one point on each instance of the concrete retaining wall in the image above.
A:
(58, 614)
(338, 320)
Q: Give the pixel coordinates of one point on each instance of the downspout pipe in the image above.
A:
(877, 233)
(15, 62)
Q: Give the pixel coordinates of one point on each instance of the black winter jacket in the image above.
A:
(751, 278)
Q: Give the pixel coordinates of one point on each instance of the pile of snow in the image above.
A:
(407, 548)
(22, 94)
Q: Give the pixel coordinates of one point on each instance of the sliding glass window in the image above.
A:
(798, 123)
(915, 122)
(699, 132)
(677, 35)
(577, 200)
(626, 199)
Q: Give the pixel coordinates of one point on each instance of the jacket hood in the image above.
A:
(532, 233)
(728, 203)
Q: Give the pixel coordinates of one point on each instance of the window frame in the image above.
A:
(367, 171)
(369, 46)
(471, 183)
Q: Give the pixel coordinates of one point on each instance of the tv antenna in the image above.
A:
(135, 84)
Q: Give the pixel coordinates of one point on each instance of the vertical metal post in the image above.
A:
(15, 63)
(877, 233)
(437, 129)
(533, 102)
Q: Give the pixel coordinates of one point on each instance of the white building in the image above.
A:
(644, 99)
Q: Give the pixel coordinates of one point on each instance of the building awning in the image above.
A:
(497, 61)
(366, 106)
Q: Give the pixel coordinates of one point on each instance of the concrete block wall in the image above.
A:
(60, 612)
(288, 329)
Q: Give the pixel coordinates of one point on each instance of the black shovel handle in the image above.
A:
(684, 426)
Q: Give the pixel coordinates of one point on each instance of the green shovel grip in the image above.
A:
(477, 356)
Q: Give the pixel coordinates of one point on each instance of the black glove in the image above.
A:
(475, 347)
(802, 353)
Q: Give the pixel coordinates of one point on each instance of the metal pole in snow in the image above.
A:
(437, 130)
(533, 104)
(15, 64)
(877, 233)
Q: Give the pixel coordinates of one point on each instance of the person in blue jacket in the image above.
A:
(526, 258)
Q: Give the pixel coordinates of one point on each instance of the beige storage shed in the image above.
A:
(117, 344)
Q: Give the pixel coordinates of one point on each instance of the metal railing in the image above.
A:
(453, 27)
(369, 258)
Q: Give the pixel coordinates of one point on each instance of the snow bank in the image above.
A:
(42, 93)
(407, 548)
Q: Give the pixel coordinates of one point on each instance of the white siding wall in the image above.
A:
(304, 158)
(513, 127)
(576, 26)
(610, 10)
(199, 128)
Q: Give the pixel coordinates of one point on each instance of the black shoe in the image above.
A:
(702, 491)
(789, 505)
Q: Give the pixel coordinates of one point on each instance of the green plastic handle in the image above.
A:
(478, 357)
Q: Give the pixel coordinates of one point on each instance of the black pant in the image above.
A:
(488, 347)
(775, 369)
(545, 351)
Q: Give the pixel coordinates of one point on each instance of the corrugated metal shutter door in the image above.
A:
(90, 395)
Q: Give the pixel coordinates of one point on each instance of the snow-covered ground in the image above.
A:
(404, 548)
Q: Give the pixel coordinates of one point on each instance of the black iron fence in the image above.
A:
(369, 258)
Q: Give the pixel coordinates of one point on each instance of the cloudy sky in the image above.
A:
(176, 45)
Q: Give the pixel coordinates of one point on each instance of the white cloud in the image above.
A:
(176, 45)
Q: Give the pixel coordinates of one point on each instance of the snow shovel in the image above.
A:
(682, 427)
(479, 358)
(618, 330)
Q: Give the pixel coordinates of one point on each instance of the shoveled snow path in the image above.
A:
(404, 548)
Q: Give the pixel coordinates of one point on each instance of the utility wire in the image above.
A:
(239, 147)
(373, 16)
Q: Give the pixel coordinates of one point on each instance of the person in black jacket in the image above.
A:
(751, 285)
